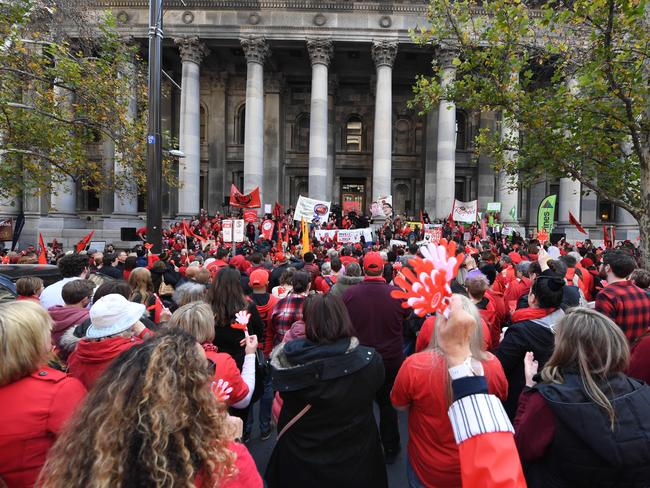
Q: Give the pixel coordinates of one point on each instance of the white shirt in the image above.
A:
(51, 296)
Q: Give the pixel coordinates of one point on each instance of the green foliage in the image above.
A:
(595, 129)
(61, 98)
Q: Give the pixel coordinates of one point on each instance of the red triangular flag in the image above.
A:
(575, 222)
(606, 240)
(452, 224)
(83, 243)
(42, 255)
(613, 235)
(189, 232)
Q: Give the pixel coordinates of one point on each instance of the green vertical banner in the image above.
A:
(546, 214)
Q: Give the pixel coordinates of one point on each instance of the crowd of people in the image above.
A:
(141, 370)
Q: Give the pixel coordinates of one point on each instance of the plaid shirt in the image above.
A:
(627, 305)
(287, 311)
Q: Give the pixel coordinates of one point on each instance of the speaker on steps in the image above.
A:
(128, 234)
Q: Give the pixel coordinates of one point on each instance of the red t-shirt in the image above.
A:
(227, 370)
(423, 384)
(426, 334)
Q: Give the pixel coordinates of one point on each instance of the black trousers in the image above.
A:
(388, 426)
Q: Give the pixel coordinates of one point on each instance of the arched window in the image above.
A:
(301, 133)
(204, 125)
(461, 130)
(353, 134)
(402, 137)
(241, 124)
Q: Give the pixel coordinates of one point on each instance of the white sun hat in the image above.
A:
(111, 315)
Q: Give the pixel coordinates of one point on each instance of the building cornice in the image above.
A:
(407, 7)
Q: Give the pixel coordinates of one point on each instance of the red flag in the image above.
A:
(278, 210)
(452, 224)
(189, 232)
(157, 308)
(42, 255)
(606, 240)
(613, 235)
(83, 243)
(250, 200)
(575, 222)
(250, 216)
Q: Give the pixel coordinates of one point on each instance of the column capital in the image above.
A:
(446, 56)
(320, 50)
(191, 49)
(383, 53)
(255, 48)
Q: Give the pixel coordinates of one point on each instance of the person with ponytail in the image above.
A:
(582, 422)
(532, 330)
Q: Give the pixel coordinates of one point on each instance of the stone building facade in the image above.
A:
(307, 97)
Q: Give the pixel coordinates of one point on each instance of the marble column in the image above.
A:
(508, 184)
(320, 51)
(331, 139)
(383, 54)
(217, 142)
(570, 190)
(486, 177)
(446, 169)
(63, 200)
(189, 172)
(431, 162)
(256, 50)
(126, 202)
(272, 138)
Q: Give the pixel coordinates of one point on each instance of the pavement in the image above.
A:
(261, 450)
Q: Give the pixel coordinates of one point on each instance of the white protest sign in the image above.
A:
(313, 211)
(398, 243)
(239, 226)
(323, 235)
(226, 229)
(465, 211)
(494, 207)
(267, 208)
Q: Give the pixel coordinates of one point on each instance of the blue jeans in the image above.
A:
(265, 406)
(412, 477)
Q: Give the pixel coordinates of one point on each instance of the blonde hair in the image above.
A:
(140, 283)
(196, 319)
(592, 344)
(476, 339)
(24, 337)
(475, 345)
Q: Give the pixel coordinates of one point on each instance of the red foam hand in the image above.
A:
(426, 289)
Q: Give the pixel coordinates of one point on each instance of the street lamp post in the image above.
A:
(154, 139)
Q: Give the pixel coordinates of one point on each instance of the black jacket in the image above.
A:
(276, 274)
(336, 443)
(585, 452)
(521, 337)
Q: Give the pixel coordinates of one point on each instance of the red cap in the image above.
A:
(373, 261)
(259, 277)
(515, 257)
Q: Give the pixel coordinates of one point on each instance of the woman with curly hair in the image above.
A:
(152, 420)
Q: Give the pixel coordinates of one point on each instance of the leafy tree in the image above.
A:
(581, 96)
(61, 96)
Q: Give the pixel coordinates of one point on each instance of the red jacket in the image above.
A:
(91, 358)
(34, 409)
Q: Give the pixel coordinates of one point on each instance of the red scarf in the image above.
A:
(530, 313)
